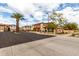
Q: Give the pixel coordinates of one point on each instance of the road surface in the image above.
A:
(50, 46)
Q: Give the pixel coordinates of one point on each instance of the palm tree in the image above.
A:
(18, 17)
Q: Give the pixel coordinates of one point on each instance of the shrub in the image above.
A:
(70, 26)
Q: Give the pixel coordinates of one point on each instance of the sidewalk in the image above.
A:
(43, 33)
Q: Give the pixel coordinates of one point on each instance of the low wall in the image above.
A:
(68, 31)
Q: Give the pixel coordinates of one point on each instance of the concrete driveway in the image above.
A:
(52, 46)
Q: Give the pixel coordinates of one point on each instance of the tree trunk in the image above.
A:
(17, 25)
(54, 31)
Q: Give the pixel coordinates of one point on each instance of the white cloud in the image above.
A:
(53, 5)
(42, 1)
(38, 15)
(27, 7)
(3, 9)
(70, 14)
(24, 5)
(20, 5)
(6, 20)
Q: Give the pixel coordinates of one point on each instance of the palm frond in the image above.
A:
(17, 16)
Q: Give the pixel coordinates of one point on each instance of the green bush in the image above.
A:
(52, 25)
(70, 26)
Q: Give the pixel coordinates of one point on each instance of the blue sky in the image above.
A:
(37, 12)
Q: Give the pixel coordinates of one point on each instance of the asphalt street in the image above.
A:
(10, 38)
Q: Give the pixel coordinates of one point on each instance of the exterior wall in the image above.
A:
(59, 30)
(27, 28)
(68, 31)
(37, 27)
(4, 27)
(40, 27)
(12, 28)
(43, 27)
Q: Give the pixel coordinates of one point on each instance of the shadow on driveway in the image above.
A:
(9, 38)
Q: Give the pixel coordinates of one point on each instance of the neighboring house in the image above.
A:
(27, 28)
(36, 27)
(40, 27)
(43, 27)
(4, 27)
(65, 31)
(12, 28)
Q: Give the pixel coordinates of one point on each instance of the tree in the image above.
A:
(58, 19)
(52, 26)
(53, 16)
(70, 26)
(18, 17)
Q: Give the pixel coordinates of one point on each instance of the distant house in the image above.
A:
(66, 31)
(36, 27)
(12, 28)
(27, 28)
(40, 27)
(43, 27)
(4, 27)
